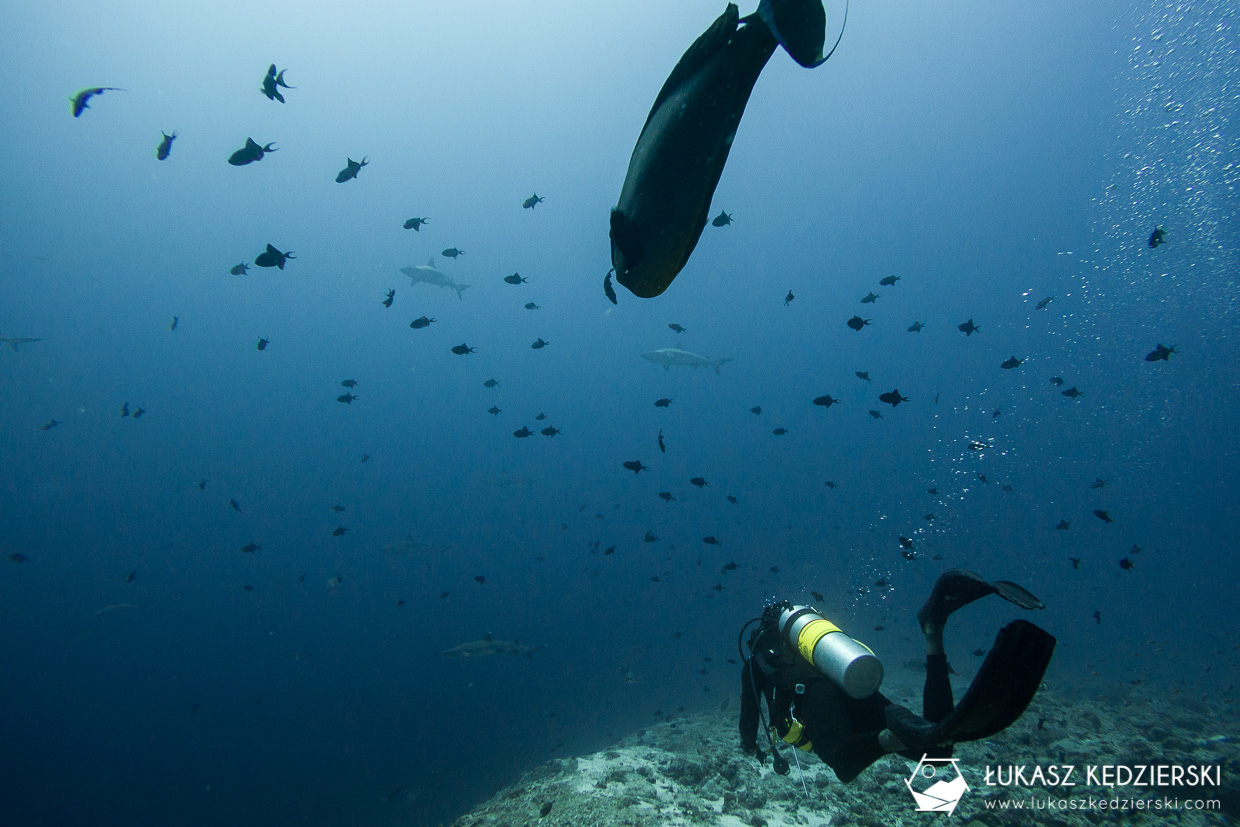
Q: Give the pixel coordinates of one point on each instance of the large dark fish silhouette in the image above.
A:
(80, 105)
(680, 154)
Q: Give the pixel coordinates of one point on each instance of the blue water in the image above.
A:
(991, 155)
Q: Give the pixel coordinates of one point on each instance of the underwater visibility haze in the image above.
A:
(337, 490)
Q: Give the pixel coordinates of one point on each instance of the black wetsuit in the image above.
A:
(843, 730)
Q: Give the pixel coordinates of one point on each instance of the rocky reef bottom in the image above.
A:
(690, 771)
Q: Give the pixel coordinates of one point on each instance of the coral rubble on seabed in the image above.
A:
(691, 772)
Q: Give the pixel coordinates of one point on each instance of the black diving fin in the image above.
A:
(1002, 690)
(800, 26)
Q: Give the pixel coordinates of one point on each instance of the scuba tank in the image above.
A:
(849, 664)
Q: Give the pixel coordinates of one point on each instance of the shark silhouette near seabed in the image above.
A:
(668, 356)
(15, 342)
(431, 274)
(490, 646)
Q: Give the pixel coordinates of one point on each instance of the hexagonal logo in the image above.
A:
(937, 785)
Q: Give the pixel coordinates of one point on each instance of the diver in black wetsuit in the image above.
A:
(821, 686)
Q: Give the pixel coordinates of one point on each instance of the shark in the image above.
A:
(15, 341)
(668, 356)
(490, 646)
(431, 274)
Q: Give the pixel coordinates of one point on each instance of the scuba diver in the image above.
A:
(821, 686)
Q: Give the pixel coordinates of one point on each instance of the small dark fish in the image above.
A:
(522, 432)
(756, 410)
(251, 152)
(137, 413)
(676, 327)
(1159, 236)
(532, 306)
(1057, 381)
(493, 410)
(1013, 362)
(247, 588)
(250, 548)
(889, 281)
(239, 269)
(982, 477)
(662, 447)
(977, 653)
(165, 146)
(780, 431)
(968, 328)
(262, 343)
(515, 278)
(349, 383)
(856, 323)
(666, 496)
(635, 466)
(1136, 549)
(933, 492)
(365, 457)
(271, 257)
(1071, 393)
(700, 482)
(272, 83)
(424, 321)
(908, 555)
(721, 220)
(415, 224)
(975, 445)
(649, 538)
(1076, 563)
(1098, 483)
(541, 416)
(452, 252)
(544, 810)
(905, 542)
(662, 403)
(1007, 488)
(51, 423)
(1042, 304)
(340, 530)
(1160, 354)
(929, 517)
(124, 409)
(462, 349)
(1102, 515)
(176, 320)
(346, 398)
(869, 298)
(491, 383)
(608, 290)
(863, 374)
(788, 298)
(875, 414)
(550, 431)
(1063, 525)
(480, 580)
(995, 413)
(732, 499)
(529, 204)
(825, 401)
(336, 509)
(609, 551)
(915, 327)
(1126, 564)
(391, 297)
(233, 505)
(79, 100)
(539, 344)
(892, 398)
(18, 557)
(202, 485)
(350, 171)
(1098, 617)
(133, 575)
(830, 484)
(443, 595)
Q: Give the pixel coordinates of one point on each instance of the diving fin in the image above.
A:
(800, 26)
(956, 588)
(1003, 688)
